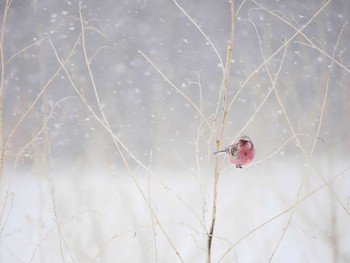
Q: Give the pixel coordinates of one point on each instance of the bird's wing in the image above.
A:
(233, 149)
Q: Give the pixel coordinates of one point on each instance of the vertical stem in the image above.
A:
(219, 139)
(2, 82)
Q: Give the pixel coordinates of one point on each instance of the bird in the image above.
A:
(240, 153)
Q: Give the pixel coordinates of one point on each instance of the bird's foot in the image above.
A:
(239, 166)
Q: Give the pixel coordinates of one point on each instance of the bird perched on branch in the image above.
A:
(240, 153)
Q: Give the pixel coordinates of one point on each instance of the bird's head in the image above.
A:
(245, 141)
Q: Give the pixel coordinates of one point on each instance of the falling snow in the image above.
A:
(107, 136)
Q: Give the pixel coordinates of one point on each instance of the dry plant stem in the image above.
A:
(25, 114)
(239, 8)
(288, 222)
(326, 91)
(9, 198)
(317, 132)
(299, 31)
(43, 129)
(45, 237)
(2, 83)
(87, 61)
(154, 232)
(282, 213)
(118, 143)
(176, 88)
(204, 34)
(276, 151)
(199, 110)
(25, 48)
(218, 145)
(203, 119)
(273, 81)
(307, 155)
(197, 150)
(211, 127)
(152, 218)
(43, 132)
(2, 145)
(224, 87)
(19, 153)
(62, 242)
(285, 112)
(133, 231)
(294, 134)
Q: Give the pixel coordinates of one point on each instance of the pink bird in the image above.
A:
(241, 152)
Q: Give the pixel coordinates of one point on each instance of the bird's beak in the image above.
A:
(222, 151)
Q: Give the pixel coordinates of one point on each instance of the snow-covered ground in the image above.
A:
(279, 208)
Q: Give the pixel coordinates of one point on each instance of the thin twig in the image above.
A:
(199, 129)
(2, 84)
(224, 88)
(42, 91)
(305, 153)
(273, 81)
(326, 92)
(306, 197)
(299, 31)
(204, 34)
(276, 151)
(118, 143)
(286, 43)
(154, 232)
(175, 87)
(21, 151)
(25, 48)
(54, 228)
(288, 223)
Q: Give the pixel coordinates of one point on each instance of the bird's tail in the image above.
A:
(222, 151)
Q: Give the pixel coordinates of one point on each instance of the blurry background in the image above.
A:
(70, 193)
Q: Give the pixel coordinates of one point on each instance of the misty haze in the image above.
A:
(111, 110)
